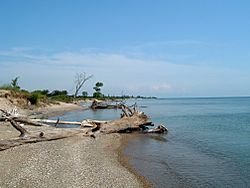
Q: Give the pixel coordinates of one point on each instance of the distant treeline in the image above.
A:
(62, 95)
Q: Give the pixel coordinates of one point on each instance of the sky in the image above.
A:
(164, 48)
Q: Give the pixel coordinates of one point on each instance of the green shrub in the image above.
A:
(62, 98)
(33, 98)
(9, 87)
(58, 92)
(13, 86)
(98, 95)
(6, 87)
(44, 92)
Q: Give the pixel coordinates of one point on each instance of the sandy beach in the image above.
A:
(71, 162)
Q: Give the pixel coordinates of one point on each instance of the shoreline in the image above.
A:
(55, 110)
(111, 147)
(125, 160)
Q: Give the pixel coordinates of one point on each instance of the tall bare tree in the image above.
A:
(80, 79)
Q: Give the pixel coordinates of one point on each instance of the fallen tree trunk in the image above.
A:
(28, 121)
(47, 135)
(131, 120)
(23, 131)
(57, 122)
(134, 122)
(104, 105)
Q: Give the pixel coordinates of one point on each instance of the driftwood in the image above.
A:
(49, 121)
(28, 121)
(103, 105)
(160, 129)
(131, 120)
(48, 133)
(37, 136)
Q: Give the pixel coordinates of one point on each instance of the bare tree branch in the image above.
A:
(8, 117)
(19, 128)
(80, 79)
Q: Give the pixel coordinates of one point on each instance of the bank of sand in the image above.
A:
(71, 162)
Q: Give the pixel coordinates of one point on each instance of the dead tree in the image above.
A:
(131, 120)
(80, 79)
(105, 105)
(41, 131)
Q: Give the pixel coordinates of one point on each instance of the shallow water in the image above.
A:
(80, 115)
(208, 144)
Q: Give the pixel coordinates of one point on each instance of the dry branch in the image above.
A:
(34, 137)
(57, 121)
(48, 132)
(23, 131)
(80, 80)
(132, 120)
(28, 121)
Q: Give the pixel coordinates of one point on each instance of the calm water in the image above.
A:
(79, 115)
(208, 144)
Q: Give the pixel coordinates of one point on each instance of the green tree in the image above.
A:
(14, 83)
(84, 93)
(58, 92)
(42, 92)
(97, 88)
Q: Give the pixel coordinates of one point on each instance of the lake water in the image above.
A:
(208, 144)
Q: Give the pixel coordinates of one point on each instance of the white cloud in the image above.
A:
(165, 87)
(120, 73)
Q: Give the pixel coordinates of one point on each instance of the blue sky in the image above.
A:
(142, 47)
